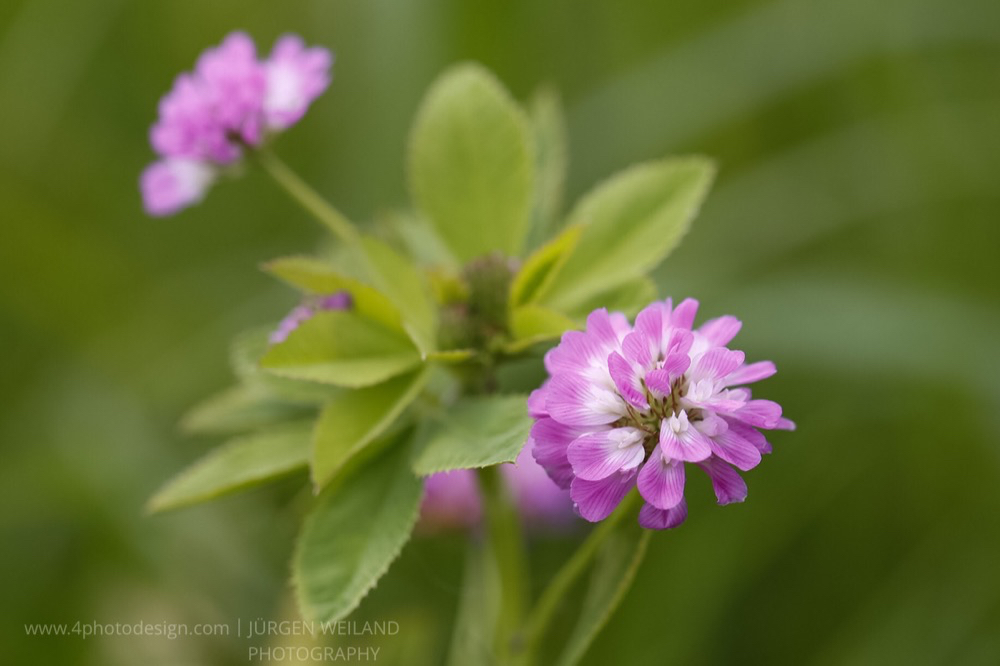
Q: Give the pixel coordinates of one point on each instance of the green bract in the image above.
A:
(415, 377)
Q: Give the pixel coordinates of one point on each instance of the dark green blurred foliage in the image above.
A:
(853, 229)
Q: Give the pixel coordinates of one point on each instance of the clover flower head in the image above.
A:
(632, 406)
(229, 103)
(340, 300)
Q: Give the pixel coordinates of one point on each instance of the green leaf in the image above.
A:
(393, 275)
(353, 534)
(628, 298)
(246, 352)
(531, 324)
(238, 464)
(238, 409)
(613, 573)
(541, 268)
(548, 126)
(353, 420)
(471, 164)
(632, 222)
(420, 240)
(343, 349)
(476, 432)
(316, 276)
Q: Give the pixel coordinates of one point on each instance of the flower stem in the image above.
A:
(557, 589)
(507, 542)
(307, 197)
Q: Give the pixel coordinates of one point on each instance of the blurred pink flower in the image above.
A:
(451, 499)
(229, 103)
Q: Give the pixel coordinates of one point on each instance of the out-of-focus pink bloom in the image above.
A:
(340, 300)
(631, 406)
(452, 500)
(229, 104)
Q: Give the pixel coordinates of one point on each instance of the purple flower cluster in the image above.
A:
(231, 101)
(627, 406)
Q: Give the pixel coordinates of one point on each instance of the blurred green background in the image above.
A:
(854, 228)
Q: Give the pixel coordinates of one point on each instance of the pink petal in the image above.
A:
(785, 424)
(728, 484)
(627, 381)
(657, 519)
(653, 322)
(716, 363)
(750, 434)
(760, 414)
(575, 401)
(548, 442)
(573, 353)
(734, 449)
(536, 402)
(639, 349)
(595, 500)
(599, 327)
(711, 425)
(740, 394)
(619, 322)
(598, 455)
(680, 342)
(748, 374)
(659, 380)
(684, 314)
(661, 482)
(690, 446)
(553, 462)
(580, 351)
(720, 331)
(677, 363)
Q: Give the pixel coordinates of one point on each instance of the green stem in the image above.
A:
(557, 589)
(507, 542)
(307, 197)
